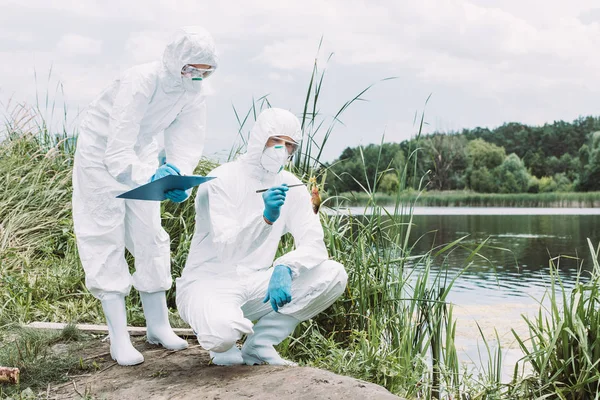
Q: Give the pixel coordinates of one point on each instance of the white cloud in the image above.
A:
(72, 45)
(146, 46)
(133, 10)
(293, 54)
(17, 37)
(485, 61)
(450, 42)
(285, 77)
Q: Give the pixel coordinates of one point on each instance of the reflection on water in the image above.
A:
(520, 242)
(516, 258)
(484, 211)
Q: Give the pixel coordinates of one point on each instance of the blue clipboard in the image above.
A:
(155, 191)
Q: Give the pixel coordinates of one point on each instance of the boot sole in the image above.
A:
(253, 360)
(157, 342)
(129, 364)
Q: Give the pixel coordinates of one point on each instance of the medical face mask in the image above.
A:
(191, 85)
(274, 158)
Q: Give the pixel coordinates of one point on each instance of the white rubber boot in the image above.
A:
(233, 356)
(158, 329)
(121, 349)
(270, 330)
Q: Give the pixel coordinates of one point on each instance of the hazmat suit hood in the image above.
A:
(270, 122)
(190, 45)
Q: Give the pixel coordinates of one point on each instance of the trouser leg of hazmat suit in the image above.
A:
(104, 227)
(221, 308)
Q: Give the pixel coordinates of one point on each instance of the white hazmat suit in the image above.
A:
(227, 273)
(118, 147)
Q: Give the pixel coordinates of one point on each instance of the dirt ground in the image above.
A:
(187, 375)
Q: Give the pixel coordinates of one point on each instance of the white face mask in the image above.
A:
(274, 158)
(191, 85)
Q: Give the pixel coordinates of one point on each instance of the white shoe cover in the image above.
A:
(270, 330)
(233, 356)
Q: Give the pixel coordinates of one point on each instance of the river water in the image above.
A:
(512, 274)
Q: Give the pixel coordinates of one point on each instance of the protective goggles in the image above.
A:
(291, 146)
(196, 74)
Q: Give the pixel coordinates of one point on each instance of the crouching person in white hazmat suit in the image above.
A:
(228, 281)
(117, 150)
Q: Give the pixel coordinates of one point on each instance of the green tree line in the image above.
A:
(513, 158)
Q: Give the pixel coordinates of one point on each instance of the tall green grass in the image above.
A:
(393, 326)
(563, 347)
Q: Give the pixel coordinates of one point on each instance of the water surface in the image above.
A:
(512, 274)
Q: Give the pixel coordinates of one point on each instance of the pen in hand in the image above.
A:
(290, 186)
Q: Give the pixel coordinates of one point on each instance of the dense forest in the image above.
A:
(513, 158)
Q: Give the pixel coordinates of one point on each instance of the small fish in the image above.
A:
(315, 197)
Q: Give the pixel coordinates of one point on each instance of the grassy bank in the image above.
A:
(472, 199)
(383, 329)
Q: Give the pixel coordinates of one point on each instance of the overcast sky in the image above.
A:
(485, 62)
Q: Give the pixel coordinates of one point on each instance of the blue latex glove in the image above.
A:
(274, 199)
(279, 291)
(177, 196)
(164, 170)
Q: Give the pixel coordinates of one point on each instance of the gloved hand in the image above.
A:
(280, 287)
(164, 170)
(274, 199)
(177, 196)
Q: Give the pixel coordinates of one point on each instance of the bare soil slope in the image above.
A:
(188, 375)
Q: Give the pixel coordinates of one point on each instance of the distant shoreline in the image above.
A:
(468, 199)
(467, 211)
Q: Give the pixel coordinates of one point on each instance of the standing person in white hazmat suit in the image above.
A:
(118, 149)
(227, 281)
